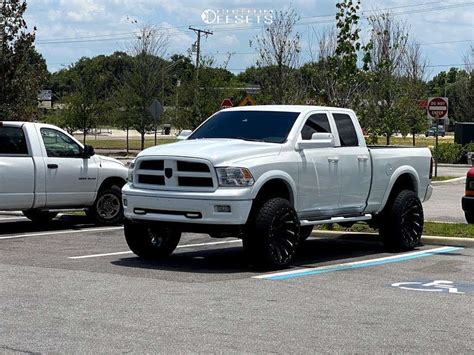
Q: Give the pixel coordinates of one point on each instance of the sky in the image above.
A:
(70, 29)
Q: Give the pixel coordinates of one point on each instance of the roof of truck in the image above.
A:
(286, 108)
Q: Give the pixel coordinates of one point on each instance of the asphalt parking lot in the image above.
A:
(73, 287)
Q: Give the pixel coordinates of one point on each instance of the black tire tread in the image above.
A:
(390, 226)
(139, 243)
(255, 243)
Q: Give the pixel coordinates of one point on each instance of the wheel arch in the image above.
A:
(275, 184)
(404, 178)
(111, 181)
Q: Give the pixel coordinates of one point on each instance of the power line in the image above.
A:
(175, 29)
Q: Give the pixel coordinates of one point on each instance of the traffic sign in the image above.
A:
(247, 101)
(437, 108)
(156, 110)
(226, 103)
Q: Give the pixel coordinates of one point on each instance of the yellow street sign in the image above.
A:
(247, 101)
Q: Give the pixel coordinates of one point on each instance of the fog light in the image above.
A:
(125, 202)
(222, 209)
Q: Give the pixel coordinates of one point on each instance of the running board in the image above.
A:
(366, 217)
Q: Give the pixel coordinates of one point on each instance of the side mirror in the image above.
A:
(318, 140)
(184, 134)
(88, 151)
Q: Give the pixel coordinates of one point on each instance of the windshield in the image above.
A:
(260, 126)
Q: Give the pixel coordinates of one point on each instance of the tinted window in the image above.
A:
(347, 133)
(317, 123)
(58, 144)
(264, 126)
(12, 141)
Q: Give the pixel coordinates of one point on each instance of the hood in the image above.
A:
(108, 159)
(218, 151)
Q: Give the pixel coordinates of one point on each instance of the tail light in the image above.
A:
(469, 186)
(431, 167)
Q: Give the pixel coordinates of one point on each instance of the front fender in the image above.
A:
(276, 175)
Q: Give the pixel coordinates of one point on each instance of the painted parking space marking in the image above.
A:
(18, 236)
(178, 247)
(443, 286)
(356, 264)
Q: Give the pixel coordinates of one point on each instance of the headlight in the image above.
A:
(231, 176)
(130, 171)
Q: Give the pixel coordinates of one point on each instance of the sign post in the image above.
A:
(437, 109)
(156, 110)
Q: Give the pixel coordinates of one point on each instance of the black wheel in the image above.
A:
(275, 236)
(305, 232)
(107, 208)
(402, 226)
(469, 217)
(38, 216)
(152, 241)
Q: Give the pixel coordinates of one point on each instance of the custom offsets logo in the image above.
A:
(237, 16)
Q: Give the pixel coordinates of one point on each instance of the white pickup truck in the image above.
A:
(268, 174)
(43, 169)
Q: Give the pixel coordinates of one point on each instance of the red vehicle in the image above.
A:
(468, 199)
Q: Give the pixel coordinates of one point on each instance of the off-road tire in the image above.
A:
(274, 237)
(38, 216)
(469, 217)
(107, 209)
(305, 232)
(151, 241)
(402, 224)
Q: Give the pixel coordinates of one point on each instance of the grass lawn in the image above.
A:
(456, 230)
(134, 144)
(442, 178)
(420, 141)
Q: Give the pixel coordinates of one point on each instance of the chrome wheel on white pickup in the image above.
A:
(107, 208)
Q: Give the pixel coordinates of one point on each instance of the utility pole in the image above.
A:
(198, 46)
(198, 59)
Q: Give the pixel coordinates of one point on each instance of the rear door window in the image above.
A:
(347, 132)
(13, 141)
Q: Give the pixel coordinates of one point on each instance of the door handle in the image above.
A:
(333, 159)
(52, 166)
(363, 158)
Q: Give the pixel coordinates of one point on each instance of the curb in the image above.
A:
(11, 213)
(456, 181)
(446, 165)
(427, 239)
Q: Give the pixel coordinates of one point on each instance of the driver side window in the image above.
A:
(317, 123)
(59, 145)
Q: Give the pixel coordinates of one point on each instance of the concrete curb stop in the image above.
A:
(426, 239)
(456, 181)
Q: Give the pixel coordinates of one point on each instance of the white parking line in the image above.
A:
(60, 232)
(178, 247)
(11, 218)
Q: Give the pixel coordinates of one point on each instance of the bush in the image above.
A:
(449, 153)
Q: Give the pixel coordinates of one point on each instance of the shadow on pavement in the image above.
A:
(23, 225)
(218, 260)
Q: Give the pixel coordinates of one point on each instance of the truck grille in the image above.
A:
(174, 174)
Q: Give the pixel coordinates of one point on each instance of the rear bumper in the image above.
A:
(467, 204)
(189, 209)
(428, 193)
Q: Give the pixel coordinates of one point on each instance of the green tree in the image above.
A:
(278, 49)
(22, 70)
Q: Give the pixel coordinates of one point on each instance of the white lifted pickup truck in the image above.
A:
(43, 169)
(268, 174)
